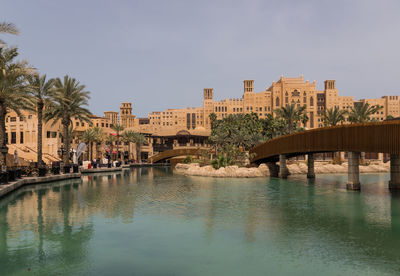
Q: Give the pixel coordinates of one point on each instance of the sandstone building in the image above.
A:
(184, 127)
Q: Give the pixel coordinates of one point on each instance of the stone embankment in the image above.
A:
(262, 170)
(12, 186)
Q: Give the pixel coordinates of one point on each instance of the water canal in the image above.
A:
(150, 222)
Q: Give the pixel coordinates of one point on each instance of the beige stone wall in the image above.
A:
(25, 130)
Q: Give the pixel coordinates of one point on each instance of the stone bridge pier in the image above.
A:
(394, 182)
(353, 181)
(310, 166)
(283, 170)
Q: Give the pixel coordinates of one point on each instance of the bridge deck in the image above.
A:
(380, 137)
(162, 156)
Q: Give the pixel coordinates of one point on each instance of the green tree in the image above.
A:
(272, 127)
(129, 137)
(110, 140)
(213, 119)
(68, 101)
(7, 28)
(40, 91)
(361, 113)
(99, 137)
(292, 115)
(334, 116)
(88, 136)
(13, 92)
(234, 135)
(139, 140)
(118, 130)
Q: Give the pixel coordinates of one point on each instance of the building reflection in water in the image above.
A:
(43, 222)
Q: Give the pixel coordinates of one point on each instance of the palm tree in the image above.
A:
(139, 140)
(7, 28)
(110, 139)
(361, 113)
(68, 101)
(333, 116)
(213, 119)
(118, 129)
(129, 137)
(98, 138)
(13, 95)
(88, 136)
(292, 115)
(39, 91)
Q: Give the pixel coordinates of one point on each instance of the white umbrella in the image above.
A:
(15, 157)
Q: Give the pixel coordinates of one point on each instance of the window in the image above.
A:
(29, 116)
(82, 124)
(13, 137)
(97, 124)
(106, 124)
(311, 101)
(102, 124)
(54, 134)
(13, 119)
(48, 134)
(77, 123)
(21, 137)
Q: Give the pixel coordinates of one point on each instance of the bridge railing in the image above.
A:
(381, 137)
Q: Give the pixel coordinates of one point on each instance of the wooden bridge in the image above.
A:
(378, 137)
(165, 155)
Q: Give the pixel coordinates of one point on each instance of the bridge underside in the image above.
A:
(168, 154)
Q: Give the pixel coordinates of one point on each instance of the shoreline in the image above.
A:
(5, 189)
(296, 168)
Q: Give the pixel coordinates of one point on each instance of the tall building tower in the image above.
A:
(208, 106)
(125, 115)
(125, 109)
(331, 94)
(248, 86)
(112, 116)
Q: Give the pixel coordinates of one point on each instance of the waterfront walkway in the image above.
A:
(12, 186)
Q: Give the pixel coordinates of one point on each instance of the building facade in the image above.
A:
(190, 126)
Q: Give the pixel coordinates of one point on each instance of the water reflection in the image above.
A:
(51, 228)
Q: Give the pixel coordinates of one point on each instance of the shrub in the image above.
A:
(187, 160)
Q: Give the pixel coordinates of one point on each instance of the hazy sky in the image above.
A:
(161, 54)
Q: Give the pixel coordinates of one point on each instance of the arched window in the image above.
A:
(311, 101)
(277, 102)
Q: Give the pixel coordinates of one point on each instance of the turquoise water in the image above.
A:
(149, 222)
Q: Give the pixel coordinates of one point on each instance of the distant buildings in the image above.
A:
(191, 126)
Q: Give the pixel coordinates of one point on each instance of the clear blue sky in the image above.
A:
(161, 54)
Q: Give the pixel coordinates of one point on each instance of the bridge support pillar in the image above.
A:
(353, 181)
(273, 169)
(394, 182)
(283, 170)
(310, 164)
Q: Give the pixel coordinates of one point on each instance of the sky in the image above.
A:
(161, 54)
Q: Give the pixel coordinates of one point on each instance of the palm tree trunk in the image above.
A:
(91, 151)
(3, 160)
(117, 146)
(39, 134)
(65, 123)
(138, 153)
